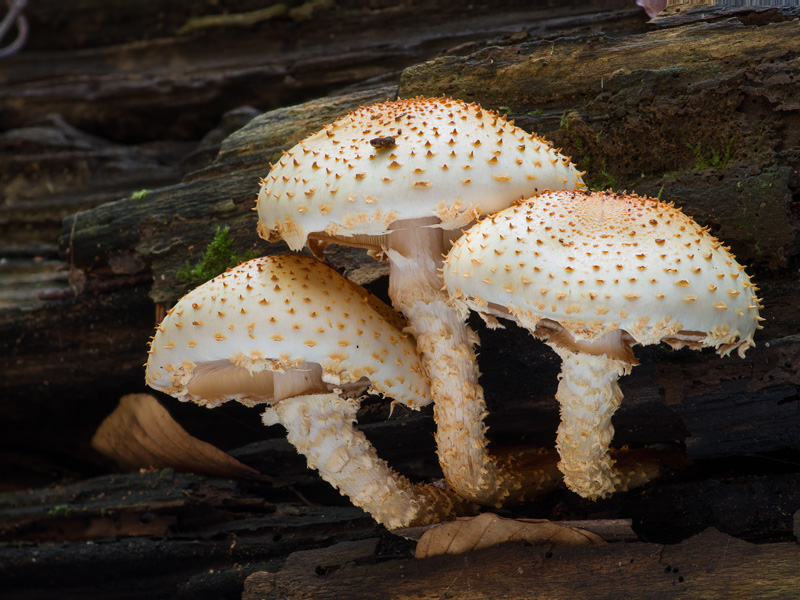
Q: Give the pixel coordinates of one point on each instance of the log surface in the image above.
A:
(120, 156)
(708, 565)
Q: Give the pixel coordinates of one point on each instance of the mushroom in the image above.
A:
(291, 332)
(594, 274)
(399, 178)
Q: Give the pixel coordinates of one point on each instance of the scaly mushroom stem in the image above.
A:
(538, 468)
(588, 394)
(446, 345)
(458, 404)
(320, 427)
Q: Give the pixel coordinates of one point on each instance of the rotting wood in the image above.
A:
(106, 102)
(639, 121)
(156, 530)
(633, 126)
(171, 225)
(68, 512)
(640, 108)
(148, 81)
(710, 564)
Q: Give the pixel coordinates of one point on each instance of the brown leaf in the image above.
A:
(140, 433)
(487, 529)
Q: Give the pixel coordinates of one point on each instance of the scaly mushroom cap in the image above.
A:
(407, 159)
(223, 340)
(599, 262)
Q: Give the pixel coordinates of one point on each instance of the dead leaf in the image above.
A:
(487, 529)
(140, 433)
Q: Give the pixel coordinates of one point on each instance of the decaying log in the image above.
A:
(709, 565)
(51, 169)
(170, 226)
(126, 534)
(611, 103)
(646, 109)
(148, 76)
(703, 113)
(108, 100)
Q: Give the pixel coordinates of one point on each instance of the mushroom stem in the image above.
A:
(445, 344)
(588, 394)
(458, 403)
(320, 427)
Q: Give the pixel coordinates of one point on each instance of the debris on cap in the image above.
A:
(406, 159)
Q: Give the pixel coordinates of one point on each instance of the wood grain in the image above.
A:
(708, 565)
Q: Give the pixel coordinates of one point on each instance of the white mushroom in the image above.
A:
(399, 178)
(291, 332)
(594, 274)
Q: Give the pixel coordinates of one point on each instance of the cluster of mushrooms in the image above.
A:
(591, 274)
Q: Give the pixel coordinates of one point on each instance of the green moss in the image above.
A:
(605, 180)
(715, 160)
(597, 178)
(670, 176)
(139, 194)
(218, 257)
(596, 181)
(584, 160)
(59, 510)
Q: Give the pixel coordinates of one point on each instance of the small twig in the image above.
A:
(247, 19)
(301, 497)
(14, 17)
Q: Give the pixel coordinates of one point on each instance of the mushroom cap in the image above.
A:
(405, 160)
(223, 340)
(599, 262)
